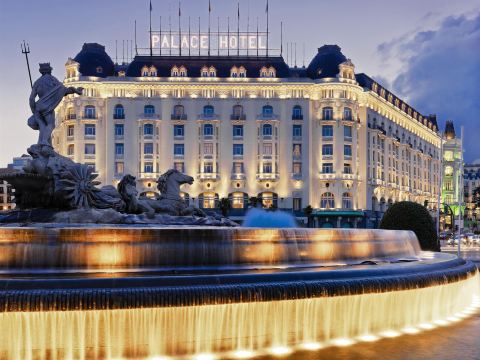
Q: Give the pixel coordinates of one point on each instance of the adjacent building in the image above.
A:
(471, 182)
(251, 126)
(7, 192)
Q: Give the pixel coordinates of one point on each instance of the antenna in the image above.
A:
(257, 36)
(160, 36)
(303, 54)
(123, 52)
(136, 49)
(209, 12)
(287, 53)
(281, 38)
(189, 37)
(116, 52)
(151, 45)
(295, 54)
(228, 35)
(238, 28)
(248, 26)
(26, 50)
(179, 29)
(267, 26)
(218, 35)
(126, 53)
(170, 32)
(131, 49)
(199, 36)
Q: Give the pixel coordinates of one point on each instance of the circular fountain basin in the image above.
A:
(83, 292)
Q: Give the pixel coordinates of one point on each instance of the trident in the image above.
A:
(26, 50)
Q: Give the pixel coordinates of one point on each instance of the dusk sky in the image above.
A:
(427, 52)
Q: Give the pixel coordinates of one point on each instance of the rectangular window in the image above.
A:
(89, 129)
(238, 168)
(237, 149)
(297, 204)
(208, 149)
(238, 200)
(208, 168)
(148, 148)
(297, 150)
(237, 130)
(89, 149)
(347, 168)
(327, 130)
(267, 168)
(70, 130)
(179, 166)
(347, 150)
(178, 131)
(119, 168)
(119, 130)
(179, 149)
(148, 167)
(119, 149)
(297, 168)
(327, 150)
(347, 132)
(327, 168)
(297, 130)
(267, 149)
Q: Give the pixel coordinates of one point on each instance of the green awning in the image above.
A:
(325, 213)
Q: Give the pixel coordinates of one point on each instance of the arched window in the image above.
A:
(204, 72)
(149, 109)
(272, 72)
(148, 129)
(212, 71)
(347, 113)
(207, 129)
(234, 72)
(71, 113)
(207, 200)
(347, 200)
(327, 113)
(174, 71)
(297, 113)
(208, 110)
(263, 72)
(71, 150)
(89, 112)
(268, 199)
(327, 201)
(153, 71)
(119, 112)
(267, 130)
(267, 111)
(242, 72)
(182, 71)
(145, 71)
(238, 200)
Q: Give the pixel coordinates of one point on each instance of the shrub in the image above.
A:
(407, 215)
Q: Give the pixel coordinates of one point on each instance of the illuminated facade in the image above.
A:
(252, 127)
(471, 182)
(452, 181)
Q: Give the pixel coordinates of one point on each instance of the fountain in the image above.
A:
(88, 272)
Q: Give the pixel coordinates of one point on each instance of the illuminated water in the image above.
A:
(168, 293)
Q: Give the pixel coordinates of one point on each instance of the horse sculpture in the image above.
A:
(170, 201)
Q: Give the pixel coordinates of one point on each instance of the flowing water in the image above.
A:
(233, 329)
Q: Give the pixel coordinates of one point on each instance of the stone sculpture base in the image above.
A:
(106, 216)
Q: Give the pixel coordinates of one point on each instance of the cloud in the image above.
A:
(440, 74)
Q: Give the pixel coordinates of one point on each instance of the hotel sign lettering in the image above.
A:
(250, 41)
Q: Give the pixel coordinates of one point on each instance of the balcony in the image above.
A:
(207, 117)
(238, 117)
(178, 117)
(203, 176)
(149, 175)
(238, 176)
(70, 116)
(119, 116)
(268, 176)
(296, 176)
(326, 176)
(267, 117)
(327, 138)
(148, 116)
(297, 117)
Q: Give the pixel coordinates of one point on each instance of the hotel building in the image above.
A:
(251, 126)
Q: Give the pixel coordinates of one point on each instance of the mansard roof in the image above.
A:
(223, 65)
(367, 82)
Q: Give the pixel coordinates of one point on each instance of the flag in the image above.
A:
(209, 6)
(238, 9)
(266, 8)
(151, 8)
(179, 10)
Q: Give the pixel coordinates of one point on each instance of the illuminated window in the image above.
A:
(268, 199)
(99, 70)
(242, 72)
(179, 166)
(448, 170)
(297, 150)
(208, 149)
(297, 168)
(145, 71)
(208, 168)
(238, 200)
(174, 72)
(70, 130)
(182, 71)
(234, 72)
(119, 168)
(347, 200)
(208, 200)
(347, 113)
(327, 201)
(153, 71)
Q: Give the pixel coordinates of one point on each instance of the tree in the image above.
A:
(224, 206)
(407, 215)
(308, 210)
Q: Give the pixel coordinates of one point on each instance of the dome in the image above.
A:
(325, 63)
(94, 61)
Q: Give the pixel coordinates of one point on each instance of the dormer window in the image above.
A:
(208, 71)
(267, 72)
(234, 72)
(153, 71)
(174, 72)
(145, 71)
(121, 73)
(242, 72)
(182, 71)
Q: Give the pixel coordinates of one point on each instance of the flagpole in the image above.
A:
(189, 37)
(209, 12)
(136, 49)
(228, 35)
(281, 38)
(218, 35)
(238, 28)
(151, 45)
(160, 36)
(257, 36)
(199, 36)
(179, 29)
(267, 28)
(170, 32)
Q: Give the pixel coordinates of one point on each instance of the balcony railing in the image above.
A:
(179, 117)
(118, 116)
(297, 117)
(149, 116)
(238, 117)
(70, 116)
(296, 176)
(149, 175)
(238, 176)
(268, 176)
(208, 176)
